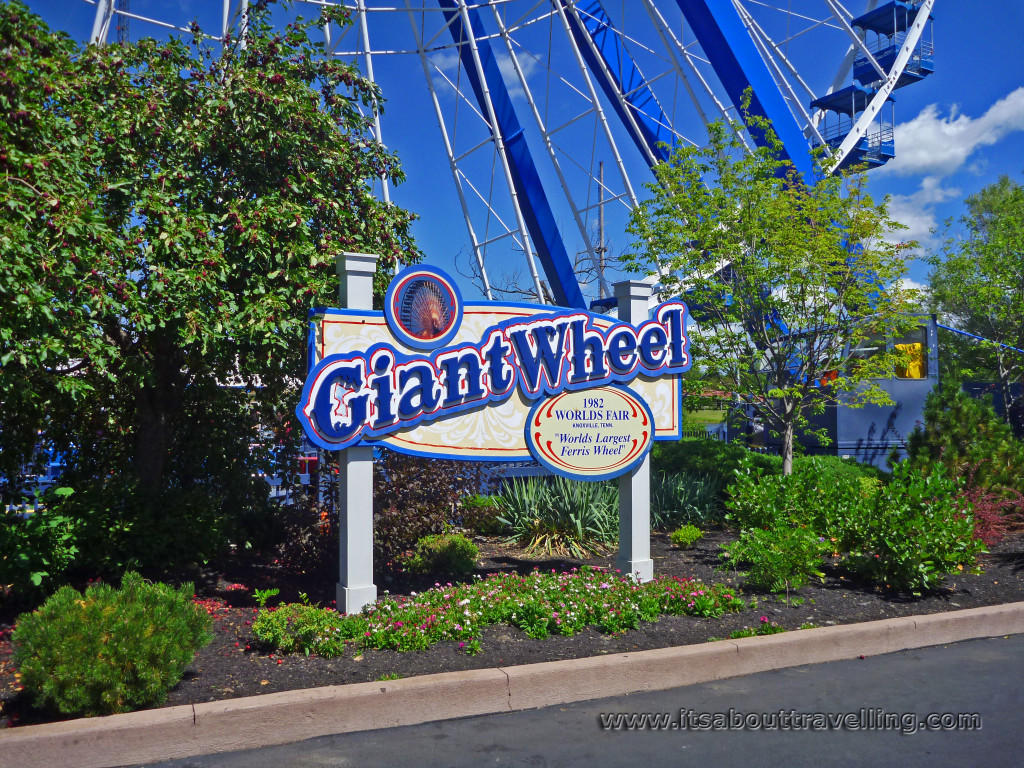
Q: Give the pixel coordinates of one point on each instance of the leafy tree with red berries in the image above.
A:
(171, 210)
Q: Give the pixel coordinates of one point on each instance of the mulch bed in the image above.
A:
(232, 665)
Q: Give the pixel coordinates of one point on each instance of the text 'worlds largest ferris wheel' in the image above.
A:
(552, 112)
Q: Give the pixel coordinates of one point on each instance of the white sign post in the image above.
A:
(635, 487)
(355, 466)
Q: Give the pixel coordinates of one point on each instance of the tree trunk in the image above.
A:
(787, 448)
(1004, 386)
(157, 403)
(150, 439)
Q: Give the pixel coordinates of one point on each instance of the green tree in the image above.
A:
(171, 211)
(763, 259)
(964, 435)
(977, 283)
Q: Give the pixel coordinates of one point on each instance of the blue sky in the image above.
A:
(956, 132)
(963, 127)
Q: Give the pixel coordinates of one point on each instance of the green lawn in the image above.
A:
(705, 417)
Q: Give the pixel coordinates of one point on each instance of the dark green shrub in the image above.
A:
(414, 497)
(776, 559)
(965, 436)
(824, 502)
(210, 494)
(757, 500)
(444, 553)
(684, 498)
(122, 528)
(111, 650)
(560, 516)
(687, 536)
(480, 514)
(915, 533)
(832, 469)
(709, 458)
(310, 544)
(35, 550)
(719, 461)
(123, 353)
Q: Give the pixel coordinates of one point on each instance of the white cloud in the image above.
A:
(913, 285)
(916, 211)
(447, 62)
(940, 145)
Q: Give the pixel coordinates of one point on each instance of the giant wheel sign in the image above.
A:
(584, 394)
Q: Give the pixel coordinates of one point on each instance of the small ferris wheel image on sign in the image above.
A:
(423, 307)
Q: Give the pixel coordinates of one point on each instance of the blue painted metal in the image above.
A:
(620, 75)
(540, 220)
(894, 16)
(876, 147)
(739, 66)
(871, 432)
(979, 338)
(889, 23)
(885, 50)
(846, 101)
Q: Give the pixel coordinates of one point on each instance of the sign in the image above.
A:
(592, 434)
(434, 376)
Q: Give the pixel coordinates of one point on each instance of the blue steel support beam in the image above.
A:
(540, 220)
(738, 65)
(620, 75)
(979, 338)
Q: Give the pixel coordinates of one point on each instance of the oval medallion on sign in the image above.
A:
(592, 434)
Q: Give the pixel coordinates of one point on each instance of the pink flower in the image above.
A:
(764, 619)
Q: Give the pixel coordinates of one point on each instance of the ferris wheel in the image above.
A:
(549, 114)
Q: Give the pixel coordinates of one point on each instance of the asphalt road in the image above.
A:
(870, 712)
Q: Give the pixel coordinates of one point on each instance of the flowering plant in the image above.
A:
(540, 604)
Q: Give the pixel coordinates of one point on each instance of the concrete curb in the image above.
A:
(281, 718)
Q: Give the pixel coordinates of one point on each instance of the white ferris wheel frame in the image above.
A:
(681, 62)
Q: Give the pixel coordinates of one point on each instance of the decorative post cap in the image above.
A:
(355, 278)
(357, 263)
(632, 289)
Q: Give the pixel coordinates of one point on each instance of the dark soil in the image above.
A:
(232, 665)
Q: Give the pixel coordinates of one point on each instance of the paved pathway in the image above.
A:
(982, 677)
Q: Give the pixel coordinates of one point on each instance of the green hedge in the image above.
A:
(719, 462)
(710, 458)
(109, 650)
